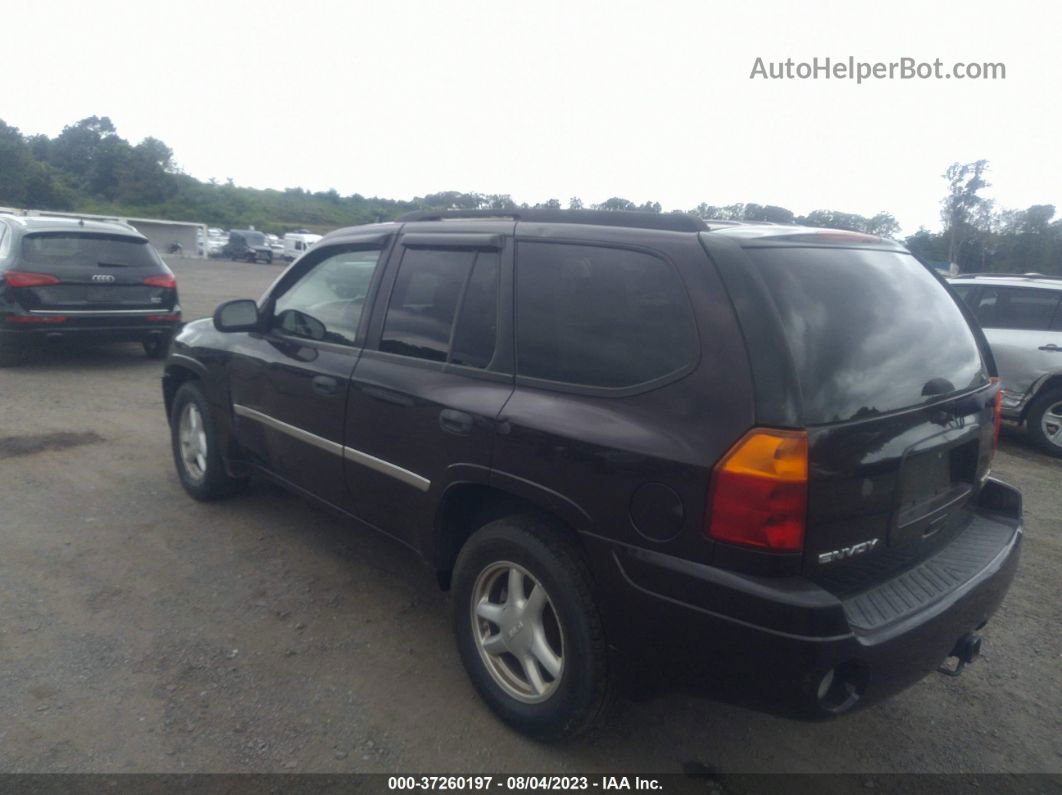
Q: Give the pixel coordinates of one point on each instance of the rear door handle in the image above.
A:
(325, 385)
(455, 421)
(1050, 347)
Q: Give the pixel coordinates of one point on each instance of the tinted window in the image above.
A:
(869, 331)
(477, 323)
(599, 316)
(420, 314)
(327, 302)
(964, 291)
(1016, 307)
(57, 250)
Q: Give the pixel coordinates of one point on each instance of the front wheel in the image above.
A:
(196, 451)
(528, 630)
(1045, 423)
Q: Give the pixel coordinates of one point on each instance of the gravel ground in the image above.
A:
(141, 631)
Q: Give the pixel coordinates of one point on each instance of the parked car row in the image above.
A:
(253, 246)
(761, 452)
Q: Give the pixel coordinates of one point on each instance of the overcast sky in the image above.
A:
(645, 100)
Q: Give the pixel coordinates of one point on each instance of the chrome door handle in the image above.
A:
(1050, 347)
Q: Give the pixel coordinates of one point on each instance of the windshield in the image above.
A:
(252, 238)
(78, 249)
(869, 331)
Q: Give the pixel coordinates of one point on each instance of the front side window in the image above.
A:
(1016, 308)
(326, 304)
(601, 317)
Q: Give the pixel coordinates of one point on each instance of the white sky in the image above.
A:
(645, 100)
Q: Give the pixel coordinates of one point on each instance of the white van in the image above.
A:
(297, 243)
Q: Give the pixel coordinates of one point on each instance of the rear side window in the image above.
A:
(433, 288)
(600, 317)
(58, 250)
(869, 331)
(1016, 308)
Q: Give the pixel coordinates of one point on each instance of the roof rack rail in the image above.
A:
(674, 222)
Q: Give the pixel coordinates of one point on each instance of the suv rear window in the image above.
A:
(869, 331)
(79, 249)
(600, 317)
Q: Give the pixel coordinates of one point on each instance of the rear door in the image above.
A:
(93, 272)
(434, 375)
(1024, 327)
(896, 400)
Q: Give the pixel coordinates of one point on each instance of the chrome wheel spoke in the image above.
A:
(535, 602)
(533, 674)
(494, 645)
(544, 655)
(491, 612)
(516, 586)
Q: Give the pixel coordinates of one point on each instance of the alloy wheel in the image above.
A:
(191, 434)
(517, 632)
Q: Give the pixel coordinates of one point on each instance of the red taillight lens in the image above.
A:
(26, 319)
(163, 318)
(759, 492)
(165, 280)
(24, 279)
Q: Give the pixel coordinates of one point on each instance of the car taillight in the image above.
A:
(25, 279)
(36, 319)
(172, 318)
(759, 492)
(166, 280)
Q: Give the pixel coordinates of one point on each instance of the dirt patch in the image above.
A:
(11, 446)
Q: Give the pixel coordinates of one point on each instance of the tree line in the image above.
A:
(89, 168)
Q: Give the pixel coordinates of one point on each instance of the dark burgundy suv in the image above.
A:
(761, 451)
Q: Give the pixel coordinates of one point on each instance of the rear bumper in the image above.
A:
(114, 329)
(771, 642)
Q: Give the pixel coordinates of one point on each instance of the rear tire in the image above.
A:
(1044, 422)
(196, 447)
(540, 662)
(156, 347)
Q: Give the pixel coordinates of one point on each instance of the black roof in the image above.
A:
(674, 222)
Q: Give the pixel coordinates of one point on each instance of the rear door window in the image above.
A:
(58, 250)
(1016, 307)
(869, 331)
(600, 317)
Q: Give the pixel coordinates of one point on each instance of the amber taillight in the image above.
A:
(758, 496)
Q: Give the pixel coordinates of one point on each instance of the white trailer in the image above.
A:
(298, 243)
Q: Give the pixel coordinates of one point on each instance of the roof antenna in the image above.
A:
(80, 221)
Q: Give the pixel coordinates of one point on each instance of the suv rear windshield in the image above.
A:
(870, 331)
(78, 249)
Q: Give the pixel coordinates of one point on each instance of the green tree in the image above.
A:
(961, 202)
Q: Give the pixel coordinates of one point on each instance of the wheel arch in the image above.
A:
(466, 506)
(1051, 382)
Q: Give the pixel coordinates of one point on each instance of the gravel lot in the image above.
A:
(141, 631)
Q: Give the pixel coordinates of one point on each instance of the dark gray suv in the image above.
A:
(62, 278)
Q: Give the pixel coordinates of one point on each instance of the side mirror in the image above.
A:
(239, 315)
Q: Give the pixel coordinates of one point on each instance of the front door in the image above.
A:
(289, 383)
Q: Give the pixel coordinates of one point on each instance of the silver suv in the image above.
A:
(1022, 319)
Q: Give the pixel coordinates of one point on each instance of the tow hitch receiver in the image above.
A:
(967, 649)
